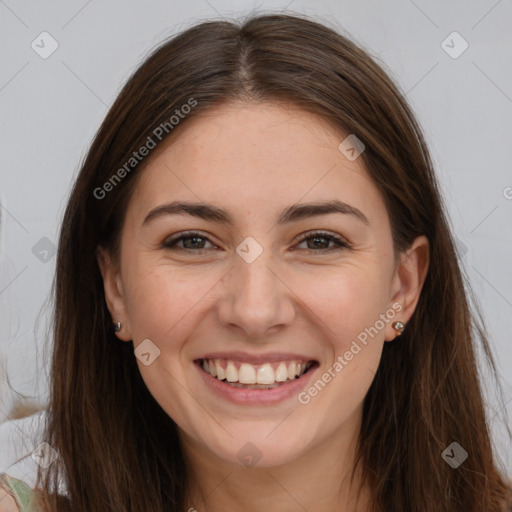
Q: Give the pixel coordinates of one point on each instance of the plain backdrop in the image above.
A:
(459, 85)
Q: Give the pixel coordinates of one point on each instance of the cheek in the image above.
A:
(349, 304)
(165, 308)
(349, 307)
(160, 303)
(347, 300)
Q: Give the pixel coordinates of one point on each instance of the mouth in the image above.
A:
(265, 376)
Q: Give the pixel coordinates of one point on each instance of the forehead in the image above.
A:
(263, 155)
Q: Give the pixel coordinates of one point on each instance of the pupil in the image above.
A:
(315, 239)
(193, 240)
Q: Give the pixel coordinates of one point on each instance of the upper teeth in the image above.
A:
(245, 373)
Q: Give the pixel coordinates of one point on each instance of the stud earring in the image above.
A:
(399, 327)
(117, 326)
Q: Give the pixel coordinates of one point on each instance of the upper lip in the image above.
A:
(244, 357)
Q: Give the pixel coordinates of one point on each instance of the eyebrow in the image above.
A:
(291, 214)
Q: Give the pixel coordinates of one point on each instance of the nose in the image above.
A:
(255, 298)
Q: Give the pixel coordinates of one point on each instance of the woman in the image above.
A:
(258, 301)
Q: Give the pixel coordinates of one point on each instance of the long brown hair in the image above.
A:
(119, 451)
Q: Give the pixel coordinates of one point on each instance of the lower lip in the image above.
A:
(256, 396)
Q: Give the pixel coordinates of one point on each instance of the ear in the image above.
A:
(113, 287)
(408, 280)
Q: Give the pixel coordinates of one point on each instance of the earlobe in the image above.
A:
(408, 281)
(113, 289)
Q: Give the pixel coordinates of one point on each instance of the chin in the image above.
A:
(251, 452)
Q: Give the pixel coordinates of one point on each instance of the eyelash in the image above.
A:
(341, 244)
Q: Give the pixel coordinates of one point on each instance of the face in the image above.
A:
(242, 279)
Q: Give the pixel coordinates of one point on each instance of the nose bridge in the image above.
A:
(256, 280)
(257, 300)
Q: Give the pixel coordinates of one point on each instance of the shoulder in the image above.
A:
(7, 502)
(17, 496)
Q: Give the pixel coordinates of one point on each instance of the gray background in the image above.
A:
(52, 107)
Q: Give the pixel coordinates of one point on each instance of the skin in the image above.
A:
(7, 502)
(255, 160)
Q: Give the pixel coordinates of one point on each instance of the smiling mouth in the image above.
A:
(248, 376)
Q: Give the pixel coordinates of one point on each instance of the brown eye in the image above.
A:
(191, 241)
(320, 242)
